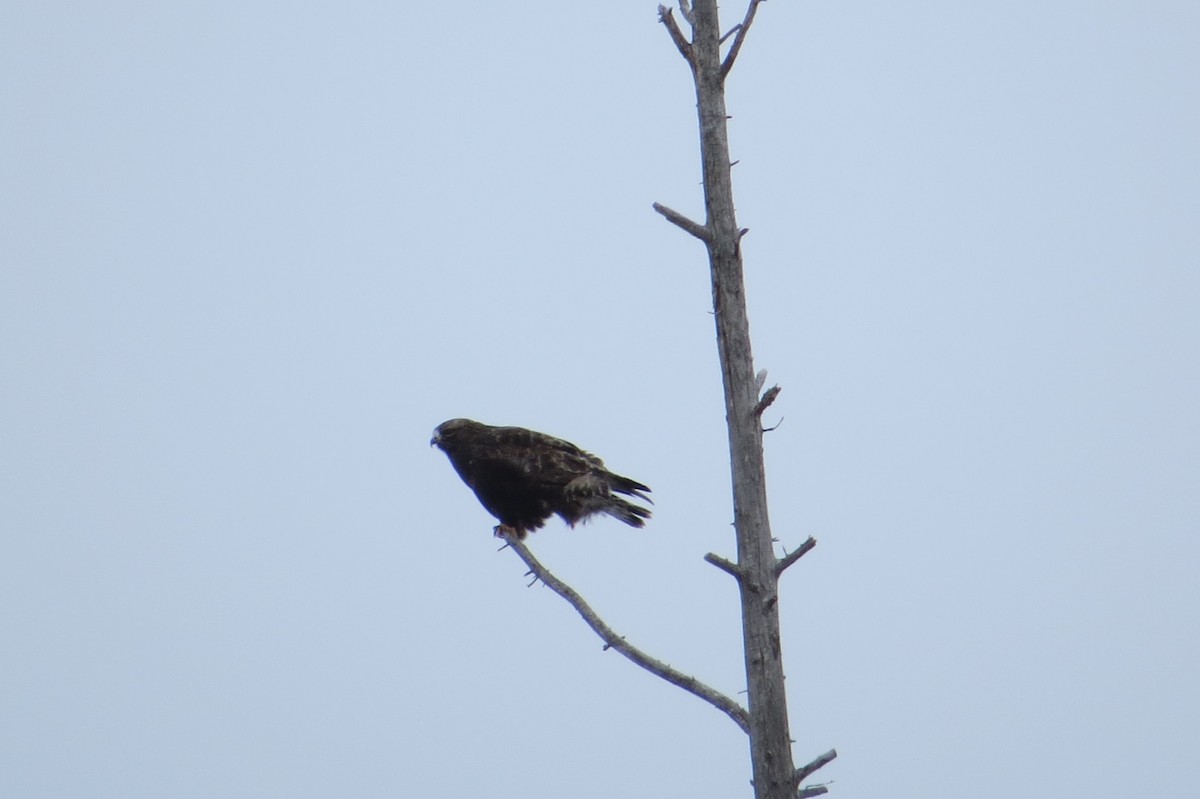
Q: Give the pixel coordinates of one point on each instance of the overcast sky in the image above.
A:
(252, 253)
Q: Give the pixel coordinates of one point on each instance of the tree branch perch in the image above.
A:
(724, 565)
(685, 8)
(611, 640)
(765, 401)
(685, 47)
(803, 772)
(792, 557)
(742, 30)
(674, 217)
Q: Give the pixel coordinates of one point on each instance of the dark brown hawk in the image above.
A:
(523, 477)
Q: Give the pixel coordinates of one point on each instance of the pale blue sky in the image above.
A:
(251, 253)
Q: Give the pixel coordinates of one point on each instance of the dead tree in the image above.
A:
(758, 569)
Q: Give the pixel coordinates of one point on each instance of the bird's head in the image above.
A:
(445, 433)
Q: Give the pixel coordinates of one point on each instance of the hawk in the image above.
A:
(522, 477)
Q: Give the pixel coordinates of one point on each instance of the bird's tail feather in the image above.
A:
(633, 488)
(627, 512)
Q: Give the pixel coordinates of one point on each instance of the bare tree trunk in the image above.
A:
(770, 739)
(757, 569)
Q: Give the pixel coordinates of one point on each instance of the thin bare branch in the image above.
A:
(681, 221)
(685, 8)
(816, 790)
(724, 565)
(611, 640)
(742, 30)
(767, 398)
(803, 772)
(792, 557)
(685, 47)
(732, 31)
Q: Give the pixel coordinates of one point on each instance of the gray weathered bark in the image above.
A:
(757, 570)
